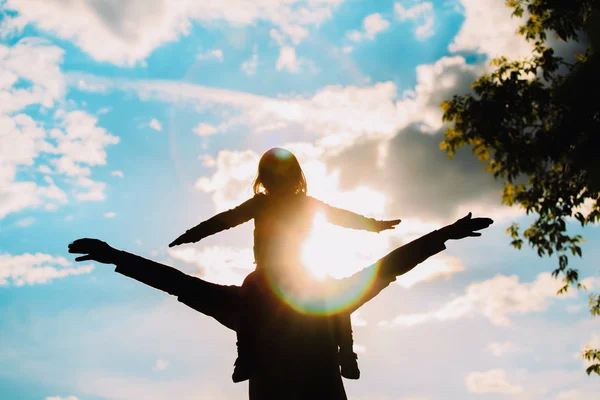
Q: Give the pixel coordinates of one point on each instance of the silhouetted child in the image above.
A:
(283, 217)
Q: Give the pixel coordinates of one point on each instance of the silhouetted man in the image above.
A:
(296, 351)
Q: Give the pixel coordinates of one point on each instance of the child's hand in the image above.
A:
(385, 225)
(187, 237)
(180, 240)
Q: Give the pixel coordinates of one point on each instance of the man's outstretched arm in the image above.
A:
(217, 301)
(403, 259)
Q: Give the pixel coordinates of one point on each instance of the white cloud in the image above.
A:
(22, 139)
(372, 25)
(31, 269)
(341, 114)
(230, 183)
(357, 319)
(16, 196)
(44, 169)
(203, 129)
(92, 190)
(81, 139)
(498, 349)
(118, 174)
(249, 66)
(355, 36)
(51, 207)
(208, 160)
(61, 398)
(25, 222)
(277, 37)
(347, 49)
(110, 214)
(492, 381)
(489, 29)
(126, 33)
(493, 299)
(91, 87)
(436, 83)
(422, 13)
(222, 265)
(578, 395)
(287, 60)
(339, 117)
(161, 364)
(211, 54)
(81, 143)
(573, 308)
(430, 269)
(155, 124)
(36, 61)
(359, 348)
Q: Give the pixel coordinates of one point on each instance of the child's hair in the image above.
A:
(279, 172)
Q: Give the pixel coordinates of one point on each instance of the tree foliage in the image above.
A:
(536, 124)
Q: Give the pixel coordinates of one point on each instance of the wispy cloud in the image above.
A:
(372, 25)
(39, 268)
(203, 129)
(71, 142)
(216, 54)
(421, 13)
(249, 66)
(494, 299)
(492, 381)
(125, 34)
(287, 60)
(223, 265)
(499, 349)
(61, 398)
(155, 124)
(25, 222)
(161, 364)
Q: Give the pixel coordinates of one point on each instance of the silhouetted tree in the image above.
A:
(536, 123)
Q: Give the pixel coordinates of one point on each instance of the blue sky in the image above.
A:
(132, 121)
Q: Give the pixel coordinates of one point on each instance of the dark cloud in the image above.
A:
(417, 176)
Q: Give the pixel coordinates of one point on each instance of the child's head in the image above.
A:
(279, 172)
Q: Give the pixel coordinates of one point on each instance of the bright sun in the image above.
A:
(315, 255)
(339, 252)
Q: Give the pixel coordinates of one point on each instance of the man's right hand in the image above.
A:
(94, 249)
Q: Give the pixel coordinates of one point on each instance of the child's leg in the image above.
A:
(348, 363)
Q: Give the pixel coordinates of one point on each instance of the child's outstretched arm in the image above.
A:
(220, 222)
(348, 219)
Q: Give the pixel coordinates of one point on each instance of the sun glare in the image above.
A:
(340, 252)
(314, 256)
